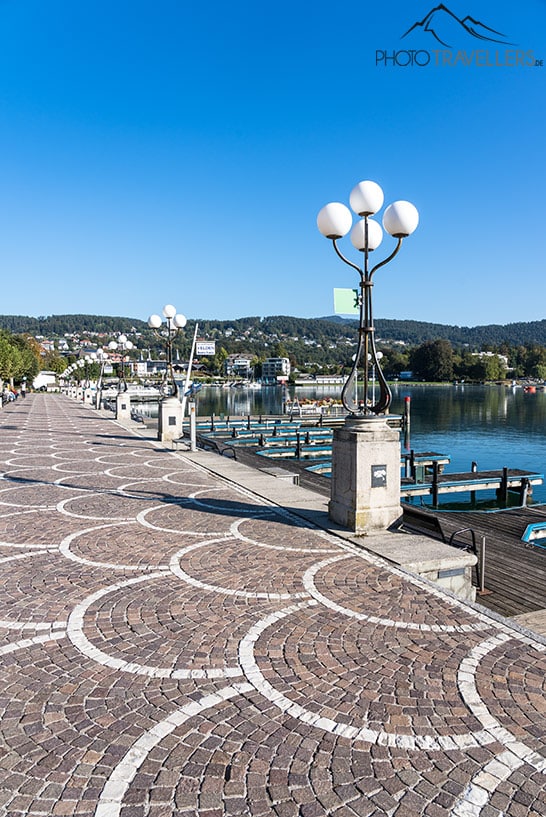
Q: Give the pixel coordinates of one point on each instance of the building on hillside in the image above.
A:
(238, 366)
(275, 368)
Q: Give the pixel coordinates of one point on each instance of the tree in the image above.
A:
(220, 360)
(54, 362)
(19, 357)
(433, 360)
(10, 359)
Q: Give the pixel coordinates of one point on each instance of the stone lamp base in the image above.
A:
(365, 491)
(169, 424)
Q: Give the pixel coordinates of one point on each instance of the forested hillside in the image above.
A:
(327, 328)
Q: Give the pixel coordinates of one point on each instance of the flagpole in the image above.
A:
(188, 375)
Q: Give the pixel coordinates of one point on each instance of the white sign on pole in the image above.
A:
(205, 347)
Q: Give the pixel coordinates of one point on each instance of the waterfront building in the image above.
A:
(275, 368)
(239, 365)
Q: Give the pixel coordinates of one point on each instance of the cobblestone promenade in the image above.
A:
(173, 645)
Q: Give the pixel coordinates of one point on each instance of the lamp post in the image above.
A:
(102, 357)
(334, 221)
(174, 323)
(170, 408)
(365, 486)
(89, 360)
(123, 399)
(125, 346)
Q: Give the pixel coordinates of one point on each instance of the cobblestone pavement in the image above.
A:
(172, 645)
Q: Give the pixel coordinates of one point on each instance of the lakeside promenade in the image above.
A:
(172, 643)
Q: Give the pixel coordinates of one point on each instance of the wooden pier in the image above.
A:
(502, 481)
(515, 571)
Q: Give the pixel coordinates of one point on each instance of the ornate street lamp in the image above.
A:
(174, 323)
(334, 221)
(102, 357)
(125, 346)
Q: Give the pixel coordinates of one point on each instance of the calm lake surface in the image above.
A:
(494, 426)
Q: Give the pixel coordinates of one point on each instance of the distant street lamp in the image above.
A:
(125, 346)
(174, 323)
(334, 221)
(102, 357)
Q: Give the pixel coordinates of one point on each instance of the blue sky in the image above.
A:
(179, 153)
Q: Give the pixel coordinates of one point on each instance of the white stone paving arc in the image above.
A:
(66, 543)
(25, 643)
(31, 625)
(236, 533)
(309, 584)
(60, 506)
(25, 546)
(117, 785)
(141, 519)
(227, 591)
(75, 625)
(362, 733)
(478, 793)
(28, 555)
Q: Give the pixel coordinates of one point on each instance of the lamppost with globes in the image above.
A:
(174, 323)
(334, 221)
(102, 357)
(125, 345)
(365, 483)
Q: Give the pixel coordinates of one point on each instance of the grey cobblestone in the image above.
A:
(171, 644)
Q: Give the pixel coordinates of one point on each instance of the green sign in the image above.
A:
(346, 302)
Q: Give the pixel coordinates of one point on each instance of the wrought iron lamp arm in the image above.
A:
(345, 260)
(168, 340)
(366, 344)
(389, 258)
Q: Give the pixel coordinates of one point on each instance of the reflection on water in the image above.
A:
(494, 426)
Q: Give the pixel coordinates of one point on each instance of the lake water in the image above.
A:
(494, 426)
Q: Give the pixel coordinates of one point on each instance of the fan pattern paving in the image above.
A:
(173, 645)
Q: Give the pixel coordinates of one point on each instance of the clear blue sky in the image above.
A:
(177, 152)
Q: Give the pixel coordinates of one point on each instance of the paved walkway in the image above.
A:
(171, 644)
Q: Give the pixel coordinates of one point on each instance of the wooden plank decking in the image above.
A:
(515, 571)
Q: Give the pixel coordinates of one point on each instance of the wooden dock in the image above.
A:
(502, 481)
(515, 571)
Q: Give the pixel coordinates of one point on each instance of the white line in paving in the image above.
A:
(478, 793)
(37, 509)
(26, 546)
(30, 642)
(185, 577)
(66, 543)
(111, 798)
(141, 519)
(309, 584)
(254, 675)
(61, 508)
(31, 625)
(28, 555)
(186, 483)
(75, 626)
(236, 533)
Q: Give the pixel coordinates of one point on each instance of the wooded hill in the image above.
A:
(327, 328)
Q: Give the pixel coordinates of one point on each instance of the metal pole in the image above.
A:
(193, 427)
(482, 566)
(188, 374)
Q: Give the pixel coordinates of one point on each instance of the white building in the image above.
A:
(238, 366)
(274, 368)
(45, 381)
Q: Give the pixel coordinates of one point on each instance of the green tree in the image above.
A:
(11, 361)
(220, 360)
(433, 360)
(54, 362)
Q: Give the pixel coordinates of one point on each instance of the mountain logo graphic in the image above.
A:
(444, 26)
